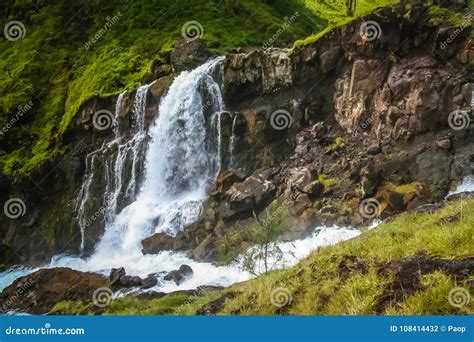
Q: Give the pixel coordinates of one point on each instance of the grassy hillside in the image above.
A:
(58, 66)
(406, 266)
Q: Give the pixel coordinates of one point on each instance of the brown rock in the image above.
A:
(188, 55)
(180, 275)
(370, 179)
(330, 58)
(159, 242)
(38, 292)
(374, 149)
(314, 189)
(301, 203)
(225, 179)
(444, 144)
(249, 194)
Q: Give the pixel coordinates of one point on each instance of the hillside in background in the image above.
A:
(75, 50)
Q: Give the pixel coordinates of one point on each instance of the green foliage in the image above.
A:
(317, 288)
(441, 15)
(268, 228)
(213, 203)
(339, 143)
(414, 187)
(335, 12)
(59, 64)
(328, 182)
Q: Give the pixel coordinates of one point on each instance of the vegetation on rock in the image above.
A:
(361, 276)
(74, 51)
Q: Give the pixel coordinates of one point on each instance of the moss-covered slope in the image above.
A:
(74, 50)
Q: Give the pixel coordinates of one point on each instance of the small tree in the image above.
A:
(266, 255)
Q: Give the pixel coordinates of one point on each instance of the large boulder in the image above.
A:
(189, 54)
(119, 279)
(250, 195)
(159, 242)
(225, 179)
(38, 292)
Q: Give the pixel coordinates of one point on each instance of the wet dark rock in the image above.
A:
(149, 282)
(189, 54)
(38, 292)
(178, 276)
(374, 149)
(370, 179)
(159, 242)
(115, 275)
(119, 279)
(466, 195)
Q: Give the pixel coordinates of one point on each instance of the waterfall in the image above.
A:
(115, 171)
(181, 156)
(232, 143)
(127, 152)
(181, 153)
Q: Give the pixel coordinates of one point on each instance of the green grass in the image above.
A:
(51, 66)
(315, 284)
(316, 288)
(414, 187)
(328, 182)
(336, 14)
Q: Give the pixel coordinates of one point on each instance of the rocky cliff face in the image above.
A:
(321, 127)
(370, 118)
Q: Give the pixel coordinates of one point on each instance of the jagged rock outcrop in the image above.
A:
(373, 112)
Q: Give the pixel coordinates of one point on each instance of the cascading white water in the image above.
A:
(232, 143)
(179, 159)
(183, 154)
